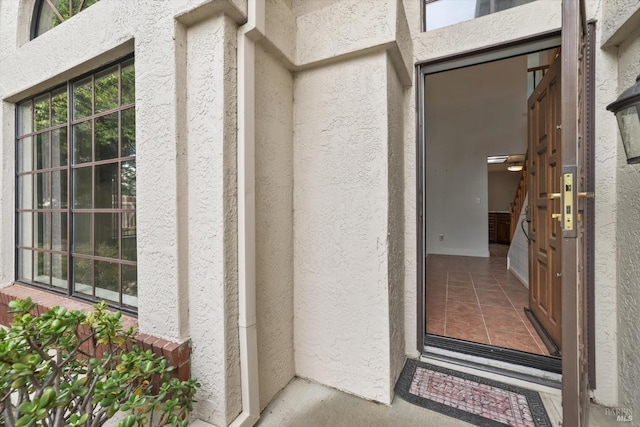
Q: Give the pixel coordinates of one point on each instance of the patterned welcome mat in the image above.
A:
(470, 398)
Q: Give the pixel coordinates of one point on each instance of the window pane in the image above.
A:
(59, 147)
(25, 192)
(82, 143)
(43, 153)
(106, 235)
(128, 132)
(59, 189)
(82, 242)
(59, 231)
(129, 184)
(42, 112)
(130, 285)
(129, 239)
(106, 186)
(82, 98)
(25, 263)
(59, 106)
(43, 268)
(25, 229)
(107, 137)
(82, 186)
(107, 280)
(128, 83)
(42, 230)
(25, 118)
(508, 4)
(59, 270)
(42, 191)
(83, 275)
(48, 19)
(441, 13)
(106, 90)
(25, 155)
(447, 12)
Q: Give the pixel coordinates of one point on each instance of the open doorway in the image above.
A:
(478, 246)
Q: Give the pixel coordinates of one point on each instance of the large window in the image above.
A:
(50, 13)
(441, 13)
(76, 182)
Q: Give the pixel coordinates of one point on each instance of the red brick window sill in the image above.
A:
(177, 355)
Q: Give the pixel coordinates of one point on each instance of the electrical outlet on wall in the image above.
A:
(477, 200)
(441, 237)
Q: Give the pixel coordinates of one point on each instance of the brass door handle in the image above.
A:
(587, 195)
(557, 216)
(552, 196)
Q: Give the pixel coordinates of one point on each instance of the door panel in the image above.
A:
(545, 283)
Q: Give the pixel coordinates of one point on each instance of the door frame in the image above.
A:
(487, 54)
(474, 57)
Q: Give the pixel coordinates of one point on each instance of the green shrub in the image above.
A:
(76, 368)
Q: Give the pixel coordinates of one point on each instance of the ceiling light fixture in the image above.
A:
(515, 167)
(497, 159)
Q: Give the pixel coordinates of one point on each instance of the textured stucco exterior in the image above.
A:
(341, 225)
(628, 236)
(274, 224)
(335, 178)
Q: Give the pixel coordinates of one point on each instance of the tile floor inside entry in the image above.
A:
(478, 299)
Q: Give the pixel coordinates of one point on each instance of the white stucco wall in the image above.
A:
(212, 217)
(395, 221)
(187, 281)
(460, 133)
(274, 224)
(341, 245)
(629, 245)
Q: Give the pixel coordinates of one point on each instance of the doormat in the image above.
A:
(469, 398)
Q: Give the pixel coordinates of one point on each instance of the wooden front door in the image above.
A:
(545, 168)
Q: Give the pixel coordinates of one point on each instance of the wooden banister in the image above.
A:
(518, 200)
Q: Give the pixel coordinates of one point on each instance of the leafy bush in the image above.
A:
(76, 368)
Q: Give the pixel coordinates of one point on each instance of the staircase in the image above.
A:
(518, 200)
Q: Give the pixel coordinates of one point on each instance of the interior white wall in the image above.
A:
(471, 113)
(518, 255)
(341, 243)
(502, 188)
(274, 224)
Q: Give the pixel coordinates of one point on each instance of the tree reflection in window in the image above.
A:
(50, 13)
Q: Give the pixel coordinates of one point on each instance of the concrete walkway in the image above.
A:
(306, 404)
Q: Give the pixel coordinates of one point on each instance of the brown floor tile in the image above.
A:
(478, 337)
(457, 284)
(491, 297)
(504, 325)
(459, 329)
(435, 327)
(459, 277)
(469, 298)
(493, 312)
(520, 342)
(472, 320)
(455, 291)
(488, 286)
(463, 308)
